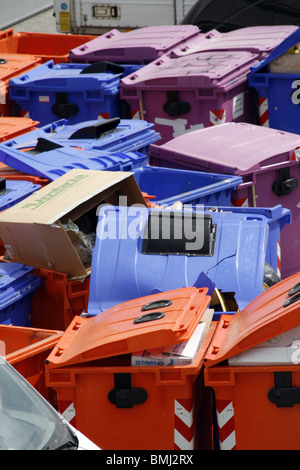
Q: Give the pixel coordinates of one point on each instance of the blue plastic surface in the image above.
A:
(121, 270)
(17, 285)
(189, 187)
(277, 218)
(15, 192)
(124, 135)
(280, 89)
(49, 84)
(53, 163)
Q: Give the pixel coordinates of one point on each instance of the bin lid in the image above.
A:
(51, 160)
(64, 76)
(144, 323)
(292, 40)
(270, 314)
(14, 191)
(103, 134)
(233, 148)
(14, 126)
(12, 65)
(222, 69)
(139, 45)
(258, 39)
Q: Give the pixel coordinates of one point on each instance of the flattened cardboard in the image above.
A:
(32, 230)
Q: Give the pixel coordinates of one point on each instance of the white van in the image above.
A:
(29, 422)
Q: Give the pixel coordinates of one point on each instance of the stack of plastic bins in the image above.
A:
(194, 91)
(252, 365)
(42, 45)
(170, 185)
(141, 251)
(58, 300)
(276, 81)
(72, 91)
(143, 407)
(26, 349)
(267, 160)
(12, 65)
(125, 135)
(17, 285)
(50, 160)
(139, 46)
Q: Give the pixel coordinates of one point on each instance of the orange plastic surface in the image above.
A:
(16, 64)
(262, 319)
(26, 349)
(115, 332)
(43, 45)
(11, 127)
(58, 300)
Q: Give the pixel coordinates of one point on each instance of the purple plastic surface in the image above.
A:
(213, 87)
(258, 39)
(258, 154)
(139, 46)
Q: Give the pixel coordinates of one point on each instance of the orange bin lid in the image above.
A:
(132, 326)
(12, 65)
(272, 313)
(11, 127)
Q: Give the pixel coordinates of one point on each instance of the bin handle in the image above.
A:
(65, 110)
(291, 300)
(157, 304)
(149, 317)
(96, 130)
(123, 395)
(284, 395)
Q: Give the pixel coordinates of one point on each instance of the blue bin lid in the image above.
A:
(170, 184)
(14, 191)
(102, 134)
(291, 41)
(124, 266)
(50, 160)
(16, 281)
(56, 77)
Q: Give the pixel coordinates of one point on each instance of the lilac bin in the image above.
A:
(266, 159)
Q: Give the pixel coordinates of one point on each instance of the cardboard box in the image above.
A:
(34, 232)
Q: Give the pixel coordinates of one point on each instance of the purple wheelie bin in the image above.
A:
(267, 160)
(195, 91)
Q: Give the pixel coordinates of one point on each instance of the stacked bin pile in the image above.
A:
(149, 233)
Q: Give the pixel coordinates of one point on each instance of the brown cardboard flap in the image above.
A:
(33, 231)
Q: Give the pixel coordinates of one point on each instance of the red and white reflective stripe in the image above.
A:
(278, 259)
(225, 418)
(135, 114)
(104, 116)
(24, 114)
(263, 110)
(69, 412)
(242, 202)
(217, 117)
(184, 425)
(295, 157)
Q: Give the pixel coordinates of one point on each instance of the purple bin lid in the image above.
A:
(259, 39)
(231, 148)
(138, 46)
(222, 69)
